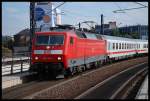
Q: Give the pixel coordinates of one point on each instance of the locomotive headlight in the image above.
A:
(59, 58)
(36, 58)
(48, 47)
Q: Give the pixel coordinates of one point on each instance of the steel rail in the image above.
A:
(126, 83)
(105, 81)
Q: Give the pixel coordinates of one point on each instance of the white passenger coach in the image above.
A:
(119, 47)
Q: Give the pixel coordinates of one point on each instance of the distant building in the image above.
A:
(22, 41)
(107, 28)
(22, 38)
(142, 30)
(112, 25)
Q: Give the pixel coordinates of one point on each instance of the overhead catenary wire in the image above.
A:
(127, 14)
(117, 11)
(119, 8)
(141, 4)
(56, 7)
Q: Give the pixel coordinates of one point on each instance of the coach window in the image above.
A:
(71, 40)
(113, 46)
(125, 46)
(116, 45)
(119, 45)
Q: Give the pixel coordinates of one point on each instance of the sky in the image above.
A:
(15, 15)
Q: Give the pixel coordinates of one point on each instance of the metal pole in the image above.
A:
(21, 66)
(102, 24)
(32, 26)
(79, 26)
(11, 71)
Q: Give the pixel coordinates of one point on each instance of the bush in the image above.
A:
(6, 52)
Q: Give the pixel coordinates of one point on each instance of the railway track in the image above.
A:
(30, 88)
(112, 88)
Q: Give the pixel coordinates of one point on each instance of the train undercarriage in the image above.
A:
(52, 70)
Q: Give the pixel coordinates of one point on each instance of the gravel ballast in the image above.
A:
(77, 85)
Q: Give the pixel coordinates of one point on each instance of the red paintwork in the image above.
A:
(79, 49)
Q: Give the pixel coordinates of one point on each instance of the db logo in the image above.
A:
(46, 18)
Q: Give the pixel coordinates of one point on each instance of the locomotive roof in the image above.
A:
(120, 38)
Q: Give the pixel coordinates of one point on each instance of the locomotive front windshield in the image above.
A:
(49, 40)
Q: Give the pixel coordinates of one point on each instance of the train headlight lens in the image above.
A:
(48, 47)
(59, 58)
(36, 58)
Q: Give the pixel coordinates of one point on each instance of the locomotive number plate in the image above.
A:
(47, 52)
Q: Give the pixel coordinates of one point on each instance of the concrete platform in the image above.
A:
(9, 81)
(143, 91)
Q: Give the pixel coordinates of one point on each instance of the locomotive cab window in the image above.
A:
(49, 39)
(71, 40)
(42, 40)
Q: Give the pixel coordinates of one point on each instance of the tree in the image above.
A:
(135, 35)
(115, 32)
(7, 42)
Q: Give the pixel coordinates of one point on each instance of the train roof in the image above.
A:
(107, 37)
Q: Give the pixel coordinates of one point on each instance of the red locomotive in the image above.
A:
(66, 51)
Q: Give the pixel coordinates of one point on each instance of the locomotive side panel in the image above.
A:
(95, 50)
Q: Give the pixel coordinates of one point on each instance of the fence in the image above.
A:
(17, 62)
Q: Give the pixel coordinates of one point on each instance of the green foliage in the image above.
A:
(6, 52)
(115, 32)
(7, 42)
(135, 35)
